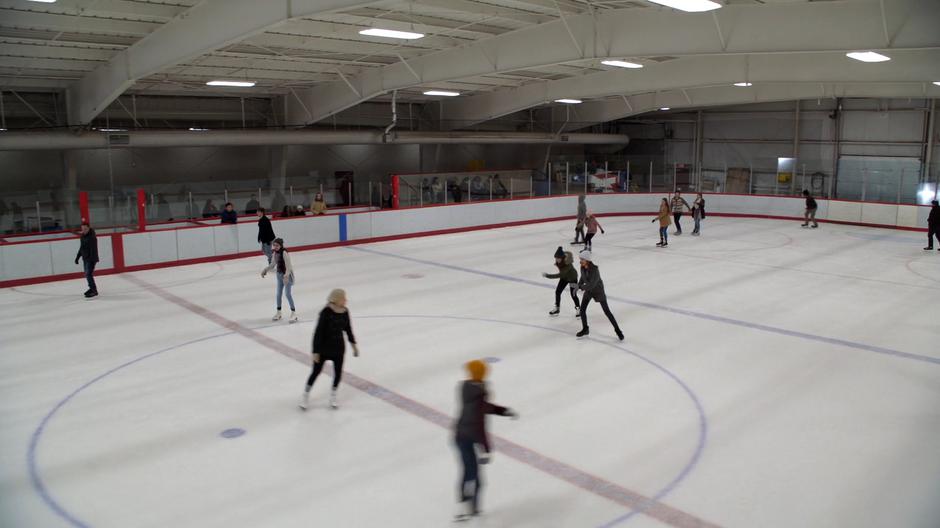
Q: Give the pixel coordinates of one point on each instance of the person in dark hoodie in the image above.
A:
(698, 213)
(470, 432)
(329, 345)
(229, 216)
(810, 213)
(88, 252)
(582, 216)
(265, 233)
(567, 277)
(593, 288)
(933, 225)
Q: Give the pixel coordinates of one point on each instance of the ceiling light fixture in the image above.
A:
(195, 129)
(621, 64)
(391, 33)
(44, 1)
(937, 83)
(867, 56)
(112, 130)
(568, 101)
(442, 93)
(237, 84)
(689, 6)
(743, 84)
(665, 108)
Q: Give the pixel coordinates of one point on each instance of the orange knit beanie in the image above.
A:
(477, 370)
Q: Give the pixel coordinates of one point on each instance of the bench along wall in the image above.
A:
(36, 261)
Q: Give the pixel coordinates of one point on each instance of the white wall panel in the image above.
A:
(195, 243)
(388, 223)
(247, 237)
(137, 249)
(27, 260)
(163, 247)
(226, 239)
(883, 214)
(845, 211)
(359, 226)
(64, 251)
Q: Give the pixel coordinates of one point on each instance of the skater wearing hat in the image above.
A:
(471, 432)
(329, 345)
(280, 261)
(567, 277)
(593, 288)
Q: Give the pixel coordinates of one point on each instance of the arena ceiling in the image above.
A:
(501, 56)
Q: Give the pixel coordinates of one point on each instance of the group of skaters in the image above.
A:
(676, 208)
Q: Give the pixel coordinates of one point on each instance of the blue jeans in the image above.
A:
(90, 275)
(664, 234)
(284, 285)
(698, 220)
(470, 484)
(266, 249)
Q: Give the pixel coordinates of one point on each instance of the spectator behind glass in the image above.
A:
(318, 207)
(252, 206)
(229, 216)
(209, 210)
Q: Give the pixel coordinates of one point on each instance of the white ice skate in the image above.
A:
(333, 403)
(304, 400)
(277, 316)
(293, 317)
(554, 311)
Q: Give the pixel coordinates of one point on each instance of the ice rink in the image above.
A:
(771, 376)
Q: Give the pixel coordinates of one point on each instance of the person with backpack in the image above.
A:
(810, 213)
(88, 252)
(265, 233)
(698, 213)
(567, 278)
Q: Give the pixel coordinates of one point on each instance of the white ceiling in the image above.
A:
(323, 65)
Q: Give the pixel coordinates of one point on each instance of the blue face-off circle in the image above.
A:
(232, 433)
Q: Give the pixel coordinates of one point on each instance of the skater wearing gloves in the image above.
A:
(678, 202)
(567, 278)
(698, 213)
(663, 218)
(933, 225)
(810, 213)
(280, 262)
(329, 345)
(582, 216)
(592, 226)
(265, 234)
(470, 433)
(593, 288)
(88, 252)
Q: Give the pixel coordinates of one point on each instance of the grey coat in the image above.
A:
(591, 283)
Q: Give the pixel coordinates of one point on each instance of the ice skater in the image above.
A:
(592, 226)
(88, 252)
(280, 262)
(678, 202)
(582, 216)
(265, 233)
(567, 278)
(698, 213)
(329, 345)
(933, 225)
(470, 432)
(664, 221)
(593, 288)
(810, 213)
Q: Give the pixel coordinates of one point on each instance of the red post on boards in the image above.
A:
(141, 210)
(83, 206)
(396, 182)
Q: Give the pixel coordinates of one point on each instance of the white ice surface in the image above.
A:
(800, 431)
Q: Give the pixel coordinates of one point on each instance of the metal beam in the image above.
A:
(748, 29)
(207, 26)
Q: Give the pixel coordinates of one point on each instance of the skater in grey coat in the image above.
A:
(582, 217)
(593, 287)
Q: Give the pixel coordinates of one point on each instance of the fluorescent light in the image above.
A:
(443, 93)
(194, 129)
(568, 101)
(937, 83)
(112, 130)
(665, 108)
(621, 64)
(238, 84)
(391, 33)
(690, 6)
(743, 84)
(44, 1)
(867, 56)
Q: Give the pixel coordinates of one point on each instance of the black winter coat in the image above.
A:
(933, 219)
(328, 337)
(88, 250)
(591, 283)
(471, 425)
(811, 202)
(265, 231)
(229, 217)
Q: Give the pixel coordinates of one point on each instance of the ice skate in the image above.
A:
(555, 311)
(277, 316)
(333, 403)
(815, 226)
(804, 225)
(660, 244)
(584, 331)
(305, 400)
(90, 294)
(293, 317)
(619, 334)
(577, 311)
(928, 248)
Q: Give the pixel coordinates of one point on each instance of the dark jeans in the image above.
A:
(698, 223)
(587, 240)
(90, 275)
(579, 233)
(664, 234)
(675, 218)
(562, 284)
(585, 300)
(470, 484)
(932, 231)
(337, 370)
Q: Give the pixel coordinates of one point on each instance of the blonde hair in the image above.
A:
(336, 295)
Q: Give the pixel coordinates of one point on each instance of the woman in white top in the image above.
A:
(280, 262)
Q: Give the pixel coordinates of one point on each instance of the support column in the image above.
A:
(277, 175)
(396, 182)
(83, 207)
(141, 210)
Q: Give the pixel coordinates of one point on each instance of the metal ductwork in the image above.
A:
(241, 138)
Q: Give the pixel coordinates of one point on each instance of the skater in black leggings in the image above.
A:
(593, 288)
(567, 278)
(470, 433)
(678, 202)
(329, 345)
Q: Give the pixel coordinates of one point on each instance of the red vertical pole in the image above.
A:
(83, 206)
(141, 210)
(396, 182)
